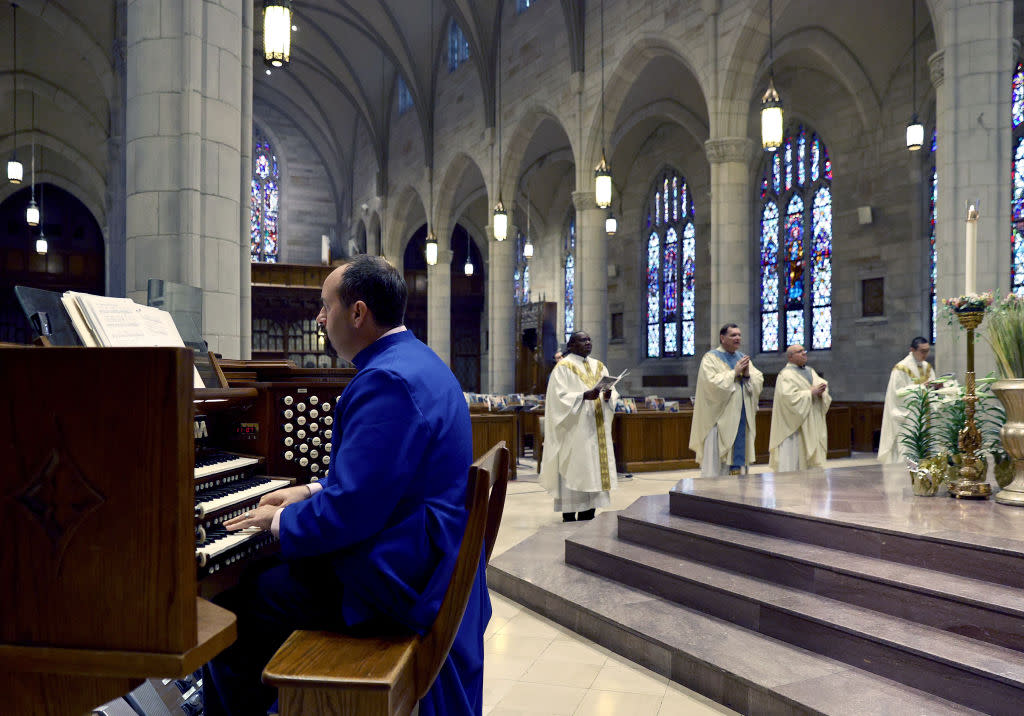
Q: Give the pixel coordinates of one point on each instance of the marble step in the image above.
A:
(970, 607)
(976, 674)
(987, 558)
(737, 667)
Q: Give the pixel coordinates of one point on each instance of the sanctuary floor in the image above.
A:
(535, 666)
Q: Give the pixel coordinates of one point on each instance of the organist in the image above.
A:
(373, 544)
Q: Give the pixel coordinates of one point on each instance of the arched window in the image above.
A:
(458, 47)
(1017, 203)
(671, 267)
(796, 193)
(521, 276)
(933, 198)
(264, 197)
(569, 250)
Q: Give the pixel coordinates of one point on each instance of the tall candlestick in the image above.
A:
(971, 253)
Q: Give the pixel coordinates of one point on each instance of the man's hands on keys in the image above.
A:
(743, 367)
(286, 496)
(261, 518)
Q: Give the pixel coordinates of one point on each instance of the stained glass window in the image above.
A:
(404, 96)
(796, 246)
(1017, 177)
(264, 200)
(933, 197)
(458, 47)
(569, 247)
(671, 268)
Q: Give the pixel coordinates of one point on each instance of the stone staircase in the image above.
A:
(787, 614)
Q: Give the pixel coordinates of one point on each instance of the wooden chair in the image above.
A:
(319, 672)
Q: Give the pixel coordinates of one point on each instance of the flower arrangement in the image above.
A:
(970, 302)
(1005, 334)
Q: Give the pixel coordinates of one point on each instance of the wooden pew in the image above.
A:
(491, 428)
(325, 673)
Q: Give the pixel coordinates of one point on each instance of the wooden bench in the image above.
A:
(325, 673)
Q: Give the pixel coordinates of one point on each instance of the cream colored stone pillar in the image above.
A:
(731, 271)
(971, 74)
(501, 316)
(591, 272)
(186, 127)
(439, 305)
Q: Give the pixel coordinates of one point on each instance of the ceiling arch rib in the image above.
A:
(300, 96)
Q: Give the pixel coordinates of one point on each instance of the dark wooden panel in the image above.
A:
(837, 421)
(96, 499)
(491, 428)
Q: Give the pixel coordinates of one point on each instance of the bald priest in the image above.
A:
(799, 437)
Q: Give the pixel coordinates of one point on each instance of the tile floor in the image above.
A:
(535, 666)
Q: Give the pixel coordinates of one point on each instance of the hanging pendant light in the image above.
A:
(41, 244)
(468, 268)
(500, 221)
(602, 172)
(431, 248)
(277, 32)
(15, 170)
(611, 224)
(771, 105)
(32, 212)
(915, 130)
(528, 242)
(528, 249)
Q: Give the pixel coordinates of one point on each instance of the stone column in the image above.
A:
(971, 74)
(501, 317)
(245, 176)
(731, 272)
(591, 272)
(184, 132)
(439, 305)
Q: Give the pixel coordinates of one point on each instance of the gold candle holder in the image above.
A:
(972, 482)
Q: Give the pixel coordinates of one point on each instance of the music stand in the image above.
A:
(47, 316)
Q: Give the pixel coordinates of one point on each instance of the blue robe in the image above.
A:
(391, 516)
(739, 445)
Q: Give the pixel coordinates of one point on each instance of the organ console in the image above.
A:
(115, 480)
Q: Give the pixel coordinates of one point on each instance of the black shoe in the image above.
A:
(568, 517)
(588, 515)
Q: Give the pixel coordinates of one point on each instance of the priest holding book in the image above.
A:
(578, 467)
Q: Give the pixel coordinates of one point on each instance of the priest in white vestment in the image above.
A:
(725, 407)
(912, 370)
(799, 436)
(578, 467)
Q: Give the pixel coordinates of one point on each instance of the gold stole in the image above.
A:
(920, 377)
(590, 379)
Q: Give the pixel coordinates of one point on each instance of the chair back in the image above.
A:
(502, 470)
(437, 642)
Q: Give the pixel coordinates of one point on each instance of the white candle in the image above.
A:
(971, 253)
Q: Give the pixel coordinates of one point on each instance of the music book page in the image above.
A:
(113, 322)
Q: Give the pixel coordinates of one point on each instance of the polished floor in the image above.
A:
(534, 666)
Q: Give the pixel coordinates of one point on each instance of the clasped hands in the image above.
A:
(819, 390)
(742, 369)
(594, 392)
(263, 516)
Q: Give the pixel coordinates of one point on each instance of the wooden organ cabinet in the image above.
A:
(536, 343)
(114, 478)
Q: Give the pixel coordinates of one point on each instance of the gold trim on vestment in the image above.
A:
(590, 379)
(919, 378)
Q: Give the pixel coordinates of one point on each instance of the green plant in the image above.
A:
(950, 415)
(1005, 334)
(917, 434)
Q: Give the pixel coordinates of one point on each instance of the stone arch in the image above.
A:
(61, 97)
(621, 81)
(97, 182)
(72, 32)
(408, 210)
(515, 152)
(95, 205)
(452, 191)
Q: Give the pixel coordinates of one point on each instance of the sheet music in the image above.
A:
(122, 323)
(609, 381)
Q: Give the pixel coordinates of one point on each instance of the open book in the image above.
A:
(608, 382)
(110, 322)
